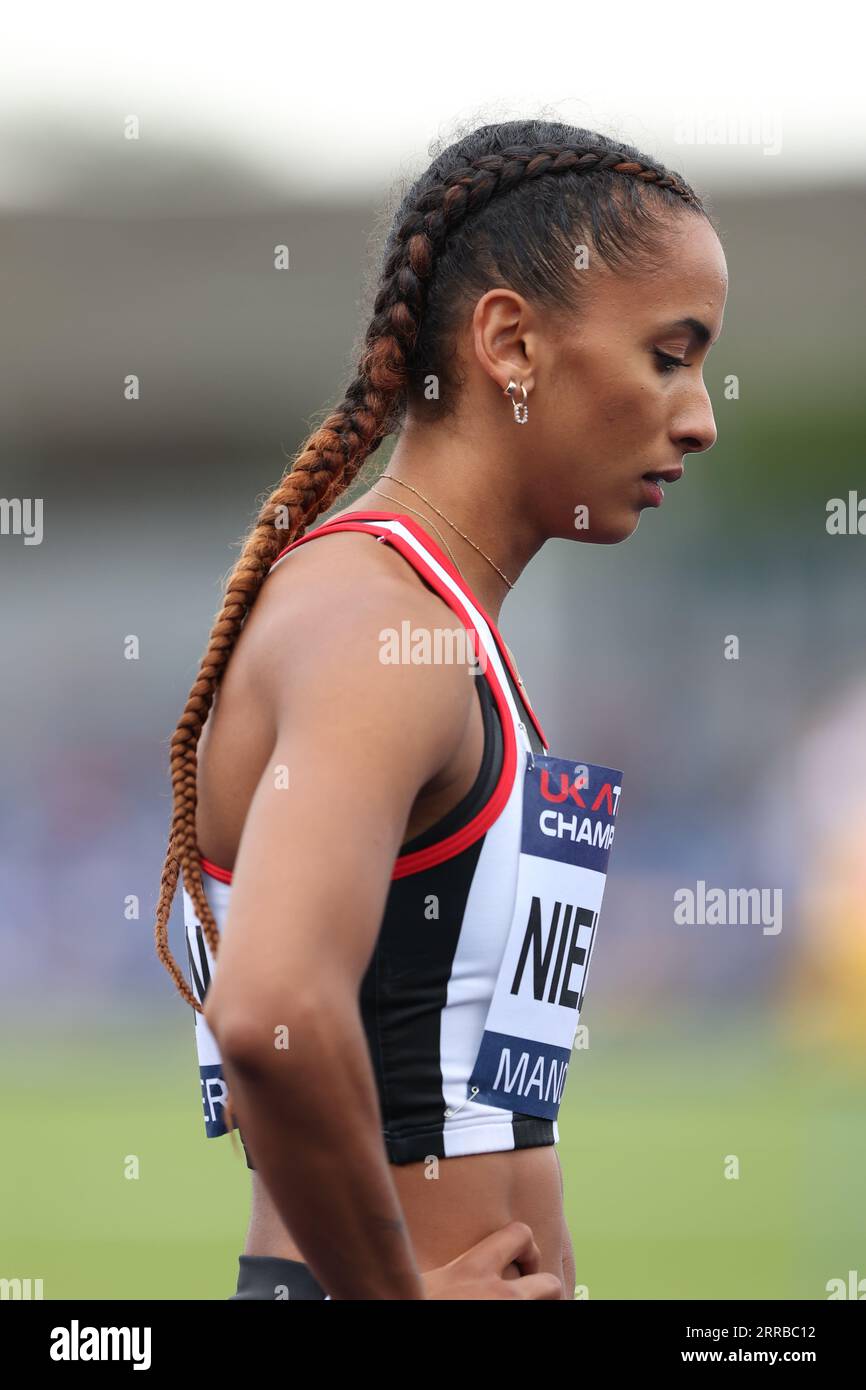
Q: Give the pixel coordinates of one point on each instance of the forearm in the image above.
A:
(310, 1116)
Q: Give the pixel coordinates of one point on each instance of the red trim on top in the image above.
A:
(224, 875)
(454, 844)
(417, 531)
(419, 859)
(415, 862)
(345, 523)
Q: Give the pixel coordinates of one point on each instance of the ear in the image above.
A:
(504, 327)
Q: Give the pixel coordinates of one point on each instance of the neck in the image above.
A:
(463, 486)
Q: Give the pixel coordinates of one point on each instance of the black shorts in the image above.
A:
(266, 1276)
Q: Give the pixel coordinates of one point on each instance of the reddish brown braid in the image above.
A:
(331, 457)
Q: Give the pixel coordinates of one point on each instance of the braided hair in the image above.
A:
(504, 205)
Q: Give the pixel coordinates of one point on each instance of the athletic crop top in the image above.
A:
(426, 997)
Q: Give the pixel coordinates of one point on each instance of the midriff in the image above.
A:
(470, 1197)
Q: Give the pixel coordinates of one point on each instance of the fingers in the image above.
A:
(505, 1264)
(513, 1243)
(535, 1286)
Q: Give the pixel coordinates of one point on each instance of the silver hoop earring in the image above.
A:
(521, 409)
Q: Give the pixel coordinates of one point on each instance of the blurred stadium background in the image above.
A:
(156, 258)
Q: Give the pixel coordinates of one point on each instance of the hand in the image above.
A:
(483, 1270)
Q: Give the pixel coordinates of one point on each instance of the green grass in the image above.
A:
(646, 1127)
(644, 1147)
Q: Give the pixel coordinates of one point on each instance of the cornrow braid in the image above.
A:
(444, 205)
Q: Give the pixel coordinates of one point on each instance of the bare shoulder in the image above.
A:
(321, 647)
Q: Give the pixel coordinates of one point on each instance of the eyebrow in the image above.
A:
(695, 326)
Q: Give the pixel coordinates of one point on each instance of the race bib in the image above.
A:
(569, 810)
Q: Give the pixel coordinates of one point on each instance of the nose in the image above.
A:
(695, 429)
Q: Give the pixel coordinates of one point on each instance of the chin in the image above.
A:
(613, 531)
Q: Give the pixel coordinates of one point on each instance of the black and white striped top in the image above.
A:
(425, 995)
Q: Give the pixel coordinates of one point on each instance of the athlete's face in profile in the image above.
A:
(621, 394)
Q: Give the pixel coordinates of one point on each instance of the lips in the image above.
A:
(665, 475)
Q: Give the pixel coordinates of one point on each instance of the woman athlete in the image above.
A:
(349, 837)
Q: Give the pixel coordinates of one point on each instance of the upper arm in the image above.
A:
(356, 739)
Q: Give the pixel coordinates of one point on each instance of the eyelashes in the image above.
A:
(669, 364)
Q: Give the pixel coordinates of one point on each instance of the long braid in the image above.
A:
(332, 456)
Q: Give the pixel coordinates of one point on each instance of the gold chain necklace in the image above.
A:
(444, 518)
(427, 522)
(448, 548)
